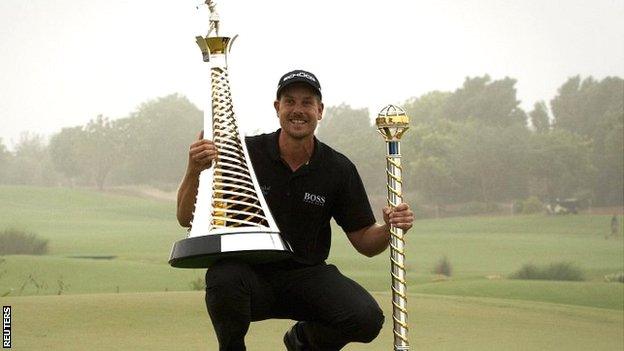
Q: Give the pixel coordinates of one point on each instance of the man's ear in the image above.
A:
(321, 109)
(276, 104)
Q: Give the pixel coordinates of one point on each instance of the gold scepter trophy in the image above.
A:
(392, 122)
(231, 217)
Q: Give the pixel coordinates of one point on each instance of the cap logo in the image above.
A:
(299, 74)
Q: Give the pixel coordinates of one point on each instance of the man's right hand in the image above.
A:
(201, 154)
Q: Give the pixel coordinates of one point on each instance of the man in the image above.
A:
(615, 227)
(305, 183)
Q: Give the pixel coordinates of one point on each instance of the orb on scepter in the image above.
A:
(392, 122)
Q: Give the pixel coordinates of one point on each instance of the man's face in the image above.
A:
(299, 110)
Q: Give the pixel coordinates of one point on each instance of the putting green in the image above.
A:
(178, 321)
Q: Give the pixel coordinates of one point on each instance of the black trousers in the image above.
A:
(336, 309)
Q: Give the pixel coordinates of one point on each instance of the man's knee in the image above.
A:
(372, 322)
(365, 324)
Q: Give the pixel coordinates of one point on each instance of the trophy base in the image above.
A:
(254, 247)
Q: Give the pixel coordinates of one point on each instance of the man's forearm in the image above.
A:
(378, 236)
(187, 193)
(371, 241)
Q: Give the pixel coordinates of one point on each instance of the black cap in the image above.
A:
(299, 76)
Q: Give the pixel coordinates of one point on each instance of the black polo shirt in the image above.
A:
(303, 202)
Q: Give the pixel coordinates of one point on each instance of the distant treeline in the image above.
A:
(471, 145)
(150, 146)
(477, 145)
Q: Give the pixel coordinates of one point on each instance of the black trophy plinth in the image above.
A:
(253, 247)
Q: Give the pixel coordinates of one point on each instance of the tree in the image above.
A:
(89, 152)
(156, 139)
(587, 107)
(426, 108)
(432, 174)
(559, 163)
(102, 150)
(595, 110)
(31, 164)
(539, 117)
(490, 161)
(491, 102)
(5, 160)
(609, 182)
(67, 151)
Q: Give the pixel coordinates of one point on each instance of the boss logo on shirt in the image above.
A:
(314, 199)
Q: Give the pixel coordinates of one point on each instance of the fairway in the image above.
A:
(108, 261)
(178, 321)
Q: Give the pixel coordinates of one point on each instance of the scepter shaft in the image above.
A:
(397, 248)
(391, 123)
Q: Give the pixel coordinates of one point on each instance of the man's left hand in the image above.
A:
(399, 217)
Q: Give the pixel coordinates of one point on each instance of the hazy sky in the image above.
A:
(63, 62)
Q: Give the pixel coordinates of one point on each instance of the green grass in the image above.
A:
(140, 232)
(483, 246)
(602, 295)
(90, 276)
(178, 321)
(81, 222)
(468, 312)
